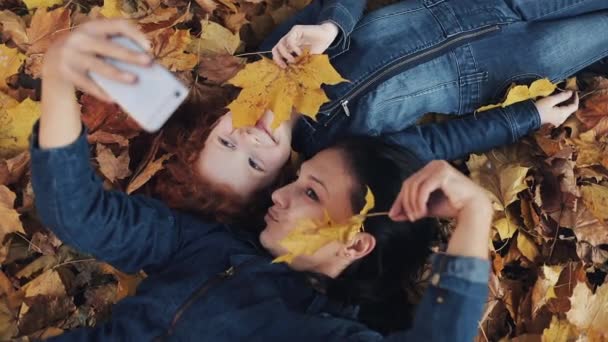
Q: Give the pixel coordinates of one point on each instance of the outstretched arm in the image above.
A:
(481, 132)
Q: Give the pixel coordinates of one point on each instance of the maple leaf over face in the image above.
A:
(267, 86)
(309, 236)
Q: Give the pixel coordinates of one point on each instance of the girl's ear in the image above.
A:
(363, 244)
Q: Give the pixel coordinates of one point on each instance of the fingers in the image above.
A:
(107, 70)
(284, 52)
(292, 45)
(573, 107)
(276, 57)
(117, 27)
(559, 97)
(107, 48)
(88, 86)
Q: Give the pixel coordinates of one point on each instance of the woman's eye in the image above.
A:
(226, 142)
(312, 194)
(255, 165)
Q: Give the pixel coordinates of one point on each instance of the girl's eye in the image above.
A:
(312, 194)
(255, 165)
(226, 142)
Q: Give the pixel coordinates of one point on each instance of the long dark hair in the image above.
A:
(382, 283)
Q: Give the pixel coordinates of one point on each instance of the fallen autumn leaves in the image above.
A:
(549, 251)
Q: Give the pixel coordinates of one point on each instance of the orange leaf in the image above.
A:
(169, 46)
(47, 27)
(150, 170)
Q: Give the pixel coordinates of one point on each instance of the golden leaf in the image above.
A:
(309, 236)
(16, 125)
(150, 170)
(268, 87)
(10, 62)
(559, 331)
(8, 215)
(127, 283)
(595, 198)
(169, 46)
(214, 39)
(519, 93)
(544, 288)
(31, 4)
(527, 247)
(112, 9)
(589, 311)
(505, 228)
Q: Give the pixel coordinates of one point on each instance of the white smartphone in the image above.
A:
(150, 101)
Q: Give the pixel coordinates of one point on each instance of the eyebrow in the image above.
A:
(317, 180)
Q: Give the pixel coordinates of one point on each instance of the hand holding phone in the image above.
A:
(152, 98)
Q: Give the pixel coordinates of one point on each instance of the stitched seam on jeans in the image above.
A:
(512, 125)
(420, 92)
(559, 11)
(370, 21)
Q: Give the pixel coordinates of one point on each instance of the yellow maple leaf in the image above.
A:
(16, 125)
(519, 93)
(559, 331)
(310, 236)
(214, 39)
(10, 62)
(527, 247)
(112, 9)
(31, 4)
(267, 86)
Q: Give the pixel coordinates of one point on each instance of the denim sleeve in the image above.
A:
(449, 311)
(128, 232)
(472, 133)
(345, 14)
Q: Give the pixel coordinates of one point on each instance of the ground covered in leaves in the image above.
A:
(550, 242)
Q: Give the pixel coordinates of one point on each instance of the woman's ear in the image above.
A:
(363, 244)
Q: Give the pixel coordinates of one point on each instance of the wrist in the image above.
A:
(330, 27)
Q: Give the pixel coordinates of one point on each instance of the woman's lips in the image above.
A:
(270, 214)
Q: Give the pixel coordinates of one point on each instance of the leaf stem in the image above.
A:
(252, 53)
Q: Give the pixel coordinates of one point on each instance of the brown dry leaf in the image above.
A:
(8, 216)
(46, 27)
(230, 4)
(588, 228)
(219, 68)
(505, 227)
(13, 28)
(144, 176)
(12, 169)
(594, 109)
(127, 283)
(589, 311)
(214, 39)
(503, 182)
(595, 198)
(112, 167)
(163, 18)
(8, 322)
(235, 21)
(107, 138)
(38, 312)
(48, 283)
(268, 87)
(169, 46)
(43, 263)
(207, 5)
(33, 65)
(310, 236)
(544, 289)
(108, 117)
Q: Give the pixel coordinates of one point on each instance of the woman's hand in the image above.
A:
(317, 37)
(440, 190)
(437, 190)
(69, 60)
(551, 111)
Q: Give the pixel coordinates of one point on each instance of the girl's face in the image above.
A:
(324, 183)
(245, 159)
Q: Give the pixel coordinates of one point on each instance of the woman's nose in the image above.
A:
(279, 197)
(247, 133)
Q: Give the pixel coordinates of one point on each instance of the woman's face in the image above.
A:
(245, 159)
(324, 183)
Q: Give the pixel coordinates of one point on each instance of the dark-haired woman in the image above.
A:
(209, 282)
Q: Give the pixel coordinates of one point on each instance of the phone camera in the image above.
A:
(177, 94)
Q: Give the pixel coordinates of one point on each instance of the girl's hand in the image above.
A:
(438, 190)
(69, 60)
(552, 112)
(317, 37)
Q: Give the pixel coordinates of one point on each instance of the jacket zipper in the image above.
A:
(406, 60)
(202, 290)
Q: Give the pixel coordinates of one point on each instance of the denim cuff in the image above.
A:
(339, 15)
(523, 118)
(471, 269)
(62, 164)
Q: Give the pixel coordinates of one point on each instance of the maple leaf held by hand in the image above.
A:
(267, 86)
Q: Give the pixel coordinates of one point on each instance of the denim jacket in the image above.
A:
(443, 56)
(208, 282)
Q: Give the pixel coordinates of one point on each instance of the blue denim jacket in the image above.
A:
(442, 56)
(207, 282)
